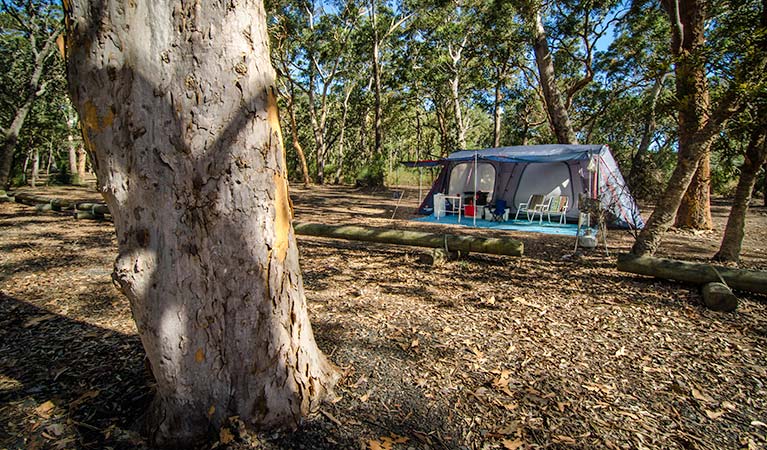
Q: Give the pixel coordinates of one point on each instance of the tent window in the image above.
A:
(549, 179)
(462, 179)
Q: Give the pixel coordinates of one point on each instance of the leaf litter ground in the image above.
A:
(546, 351)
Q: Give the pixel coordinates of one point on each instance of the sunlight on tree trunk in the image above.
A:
(756, 155)
(184, 133)
(695, 208)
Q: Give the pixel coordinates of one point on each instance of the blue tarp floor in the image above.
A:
(516, 225)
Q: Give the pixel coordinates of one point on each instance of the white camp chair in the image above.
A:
(535, 202)
(557, 205)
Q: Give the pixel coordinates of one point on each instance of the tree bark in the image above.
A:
(559, 119)
(697, 125)
(184, 133)
(756, 156)
(693, 97)
(695, 208)
(455, 84)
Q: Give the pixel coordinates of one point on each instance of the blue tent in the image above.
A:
(515, 173)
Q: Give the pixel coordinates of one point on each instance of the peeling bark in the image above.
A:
(184, 135)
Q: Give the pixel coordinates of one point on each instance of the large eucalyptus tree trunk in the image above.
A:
(178, 106)
(559, 119)
(687, 19)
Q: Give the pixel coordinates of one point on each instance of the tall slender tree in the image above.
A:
(38, 23)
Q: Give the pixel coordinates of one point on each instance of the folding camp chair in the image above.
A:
(558, 205)
(529, 206)
(500, 212)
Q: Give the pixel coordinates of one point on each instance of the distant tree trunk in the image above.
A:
(559, 119)
(377, 163)
(341, 138)
(455, 84)
(497, 112)
(294, 134)
(35, 167)
(764, 187)
(641, 165)
(81, 158)
(207, 252)
(72, 152)
(49, 162)
(756, 156)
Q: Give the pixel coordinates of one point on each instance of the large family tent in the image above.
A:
(515, 173)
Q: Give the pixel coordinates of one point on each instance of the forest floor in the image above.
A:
(548, 350)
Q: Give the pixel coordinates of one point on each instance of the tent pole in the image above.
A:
(474, 202)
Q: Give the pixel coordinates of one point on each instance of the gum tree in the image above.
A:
(178, 104)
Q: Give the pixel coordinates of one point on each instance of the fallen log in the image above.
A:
(698, 273)
(95, 208)
(34, 200)
(719, 297)
(494, 246)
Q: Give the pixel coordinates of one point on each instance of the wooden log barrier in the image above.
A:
(699, 273)
(494, 246)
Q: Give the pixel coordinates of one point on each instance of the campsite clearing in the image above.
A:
(547, 350)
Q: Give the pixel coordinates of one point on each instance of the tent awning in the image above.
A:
(530, 153)
(424, 163)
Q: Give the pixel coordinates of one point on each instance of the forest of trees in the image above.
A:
(366, 84)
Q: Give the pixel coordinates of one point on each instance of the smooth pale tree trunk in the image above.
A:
(294, 134)
(456, 53)
(559, 119)
(184, 133)
(342, 137)
(35, 167)
(497, 112)
(756, 155)
(81, 158)
(72, 153)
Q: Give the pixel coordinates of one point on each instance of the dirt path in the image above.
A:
(489, 352)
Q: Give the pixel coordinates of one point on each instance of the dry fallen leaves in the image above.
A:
(386, 442)
(44, 410)
(508, 444)
(225, 436)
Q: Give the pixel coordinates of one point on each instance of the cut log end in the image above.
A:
(439, 256)
(718, 297)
